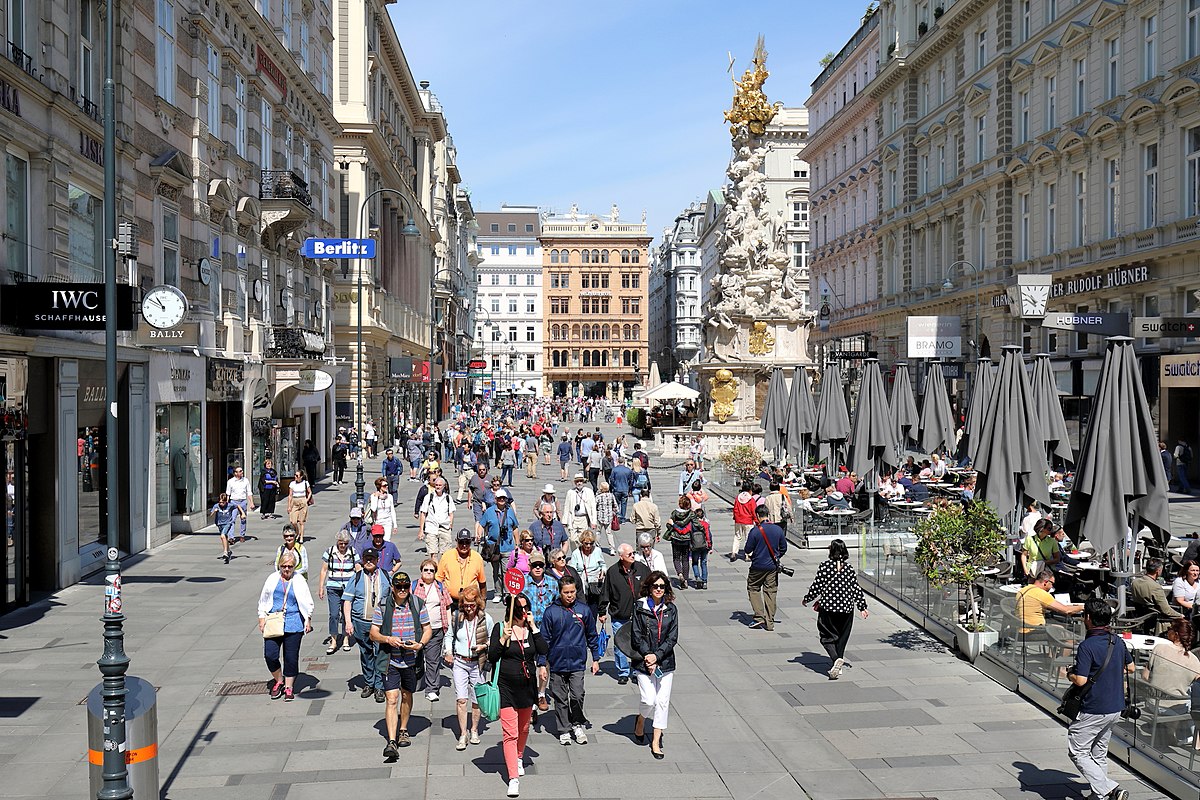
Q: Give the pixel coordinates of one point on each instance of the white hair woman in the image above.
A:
(284, 592)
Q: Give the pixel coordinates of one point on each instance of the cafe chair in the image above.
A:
(1159, 708)
(1062, 651)
(1140, 624)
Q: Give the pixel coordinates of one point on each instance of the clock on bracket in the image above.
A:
(258, 290)
(164, 307)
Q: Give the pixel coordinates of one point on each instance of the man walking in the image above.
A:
(530, 451)
(359, 600)
(579, 507)
(1183, 459)
(621, 483)
(238, 489)
(548, 533)
(765, 545)
(478, 486)
(564, 457)
(622, 583)
(360, 532)
(390, 468)
(372, 439)
(1101, 661)
(401, 628)
(569, 628)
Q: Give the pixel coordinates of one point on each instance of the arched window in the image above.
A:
(604, 358)
(587, 332)
(595, 256)
(596, 332)
(604, 332)
(595, 358)
(637, 332)
(603, 256)
(575, 332)
(625, 331)
(554, 358)
(587, 358)
(587, 257)
(637, 256)
(616, 331)
(553, 256)
(624, 256)
(626, 359)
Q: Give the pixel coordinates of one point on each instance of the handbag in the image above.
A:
(623, 641)
(311, 501)
(615, 524)
(1072, 701)
(487, 695)
(273, 622)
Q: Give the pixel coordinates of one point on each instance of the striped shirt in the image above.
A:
(339, 566)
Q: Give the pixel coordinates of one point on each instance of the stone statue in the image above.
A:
(615, 214)
(574, 211)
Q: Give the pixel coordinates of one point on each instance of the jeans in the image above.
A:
(368, 651)
(394, 487)
(1180, 475)
(618, 657)
(242, 521)
(339, 470)
(566, 689)
(333, 595)
(289, 644)
(700, 565)
(622, 505)
(506, 473)
(1087, 745)
(763, 585)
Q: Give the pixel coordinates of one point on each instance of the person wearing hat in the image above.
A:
(391, 468)
(389, 554)
(498, 529)
(462, 567)
(400, 625)
(362, 594)
(580, 508)
(359, 531)
(549, 495)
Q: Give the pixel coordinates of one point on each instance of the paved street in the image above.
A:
(753, 713)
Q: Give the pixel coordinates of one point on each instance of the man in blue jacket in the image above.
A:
(569, 628)
(498, 525)
(391, 468)
(621, 483)
(765, 545)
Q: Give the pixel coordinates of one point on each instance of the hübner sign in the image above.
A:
(1113, 279)
(1180, 371)
(934, 337)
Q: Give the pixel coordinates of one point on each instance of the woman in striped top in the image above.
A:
(337, 568)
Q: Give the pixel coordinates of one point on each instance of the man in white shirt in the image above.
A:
(579, 509)
(239, 491)
(436, 519)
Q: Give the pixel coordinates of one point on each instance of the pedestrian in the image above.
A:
(381, 510)
(564, 457)
(569, 627)
(641, 481)
(465, 651)
(1183, 460)
(548, 532)
(697, 496)
(517, 648)
(362, 595)
(589, 567)
(390, 468)
(595, 464)
(646, 518)
(293, 545)
(436, 519)
(689, 475)
(519, 556)
(654, 636)
(238, 489)
(508, 461)
(371, 438)
(580, 506)
(549, 495)
(461, 567)
(224, 513)
(268, 489)
(702, 545)
(607, 518)
(478, 484)
(337, 455)
(496, 530)
(648, 554)
(414, 452)
(744, 506)
(389, 554)
(542, 589)
(1101, 663)
(530, 453)
(358, 531)
(838, 595)
(286, 600)
(400, 625)
(679, 534)
(621, 482)
(433, 593)
(338, 564)
(310, 457)
(764, 547)
(300, 497)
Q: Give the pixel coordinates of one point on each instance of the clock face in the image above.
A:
(164, 306)
(1033, 300)
(258, 289)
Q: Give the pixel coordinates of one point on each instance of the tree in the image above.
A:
(827, 59)
(955, 543)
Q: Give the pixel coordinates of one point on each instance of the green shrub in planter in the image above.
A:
(955, 543)
(636, 417)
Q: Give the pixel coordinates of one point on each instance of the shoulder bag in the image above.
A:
(779, 568)
(1072, 700)
(273, 623)
(487, 694)
(623, 641)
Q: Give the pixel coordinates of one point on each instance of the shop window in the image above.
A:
(177, 456)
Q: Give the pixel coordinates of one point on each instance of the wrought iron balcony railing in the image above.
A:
(20, 57)
(282, 184)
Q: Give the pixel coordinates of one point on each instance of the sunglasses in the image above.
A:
(660, 586)
(286, 566)
(427, 569)
(403, 588)
(559, 558)
(527, 541)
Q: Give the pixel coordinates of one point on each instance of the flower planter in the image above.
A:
(972, 643)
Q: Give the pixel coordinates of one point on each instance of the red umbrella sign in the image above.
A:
(514, 581)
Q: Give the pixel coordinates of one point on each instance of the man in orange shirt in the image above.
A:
(461, 567)
(1033, 601)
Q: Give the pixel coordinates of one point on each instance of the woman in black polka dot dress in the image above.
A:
(838, 595)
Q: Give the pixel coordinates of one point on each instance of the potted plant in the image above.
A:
(922, 29)
(742, 461)
(938, 11)
(638, 421)
(954, 545)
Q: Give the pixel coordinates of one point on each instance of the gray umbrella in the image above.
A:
(902, 409)
(798, 429)
(1049, 410)
(871, 435)
(1010, 460)
(775, 414)
(1119, 472)
(833, 419)
(937, 423)
(985, 379)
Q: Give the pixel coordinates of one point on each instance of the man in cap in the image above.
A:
(622, 583)
(360, 533)
(363, 593)
(498, 526)
(542, 590)
(579, 508)
(569, 627)
(462, 567)
(401, 628)
(391, 468)
(389, 554)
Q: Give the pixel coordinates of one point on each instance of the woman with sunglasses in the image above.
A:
(382, 508)
(284, 591)
(519, 647)
(654, 635)
(436, 597)
(518, 557)
(299, 499)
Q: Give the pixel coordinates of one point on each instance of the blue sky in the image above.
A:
(599, 103)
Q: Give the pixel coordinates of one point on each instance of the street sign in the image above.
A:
(477, 364)
(1157, 327)
(1105, 324)
(456, 374)
(514, 581)
(338, 248)
(935, 337)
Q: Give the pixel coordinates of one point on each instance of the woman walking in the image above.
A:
(284, 592)
(299, 499)
(268, 489)
(654, 635)
(383, 508)
(465, 650)
(679, 534)
(606, 510)
(337, 568)
(837, 595)
(291, 544)
(436, 597)
(517, 645)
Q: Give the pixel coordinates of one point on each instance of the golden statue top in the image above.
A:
(750, 106)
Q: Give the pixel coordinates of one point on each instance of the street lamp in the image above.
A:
(948, 285)
(410, 230)
(433, 276)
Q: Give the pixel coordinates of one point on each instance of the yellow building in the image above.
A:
(595, 299)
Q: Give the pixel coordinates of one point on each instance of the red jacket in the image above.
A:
(744, 509)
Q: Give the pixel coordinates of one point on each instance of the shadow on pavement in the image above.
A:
(1050, 784)
(817, 662)
(915, 641)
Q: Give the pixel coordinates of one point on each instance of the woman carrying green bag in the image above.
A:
(465, 650)
(519, 653)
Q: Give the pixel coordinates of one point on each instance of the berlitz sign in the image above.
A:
(63, 306)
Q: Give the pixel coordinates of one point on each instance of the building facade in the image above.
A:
(675, 297)
(508, 321)
(788, 186)
(844, 190)
(595, 286)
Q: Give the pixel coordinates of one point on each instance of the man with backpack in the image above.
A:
(1183, 460)
(394, 627)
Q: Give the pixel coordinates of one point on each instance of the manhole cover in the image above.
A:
(234, 688)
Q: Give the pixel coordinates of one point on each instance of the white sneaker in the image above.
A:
(564, 739)
(462, 743)
(431, 697)
(497, 599)
(836, 669)
(580, 734)
(521, 767)
(514, 788)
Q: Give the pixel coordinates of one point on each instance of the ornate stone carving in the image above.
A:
(750, 106)
(762, 341)
(723, 391)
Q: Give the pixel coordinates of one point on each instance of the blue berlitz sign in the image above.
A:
(338, 248)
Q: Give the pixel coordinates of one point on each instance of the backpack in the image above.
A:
(700, 536)
(643, 459)
(641, 481)
(1186, 455)
(415, 605)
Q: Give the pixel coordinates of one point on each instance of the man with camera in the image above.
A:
(1101, 662)
(495, 532)
(765, 545)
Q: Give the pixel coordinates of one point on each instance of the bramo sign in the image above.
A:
(935, 337)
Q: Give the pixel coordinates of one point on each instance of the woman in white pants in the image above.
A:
(655, 631)
(383, 508)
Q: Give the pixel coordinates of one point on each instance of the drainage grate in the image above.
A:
(235, 688)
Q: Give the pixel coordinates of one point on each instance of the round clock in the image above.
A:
(258, 289)
(164, 306)
(317, 309)
(205, 271)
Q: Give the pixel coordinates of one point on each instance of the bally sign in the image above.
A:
(934, 337)
(185, 334)
(63, 306)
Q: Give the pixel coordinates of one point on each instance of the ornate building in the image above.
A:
(675, 297)
(509, 310)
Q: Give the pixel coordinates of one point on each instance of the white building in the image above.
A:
(788, 184)
(508, 316)
(675, 296)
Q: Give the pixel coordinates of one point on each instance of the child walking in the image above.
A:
(225, 513)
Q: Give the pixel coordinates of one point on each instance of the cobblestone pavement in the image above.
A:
(753, 713)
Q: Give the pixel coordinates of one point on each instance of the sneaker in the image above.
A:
(346, 646)
(390, 752)
(366, 692)
(580, 734)
(277, 691)
(564, 739)
(514, 788)
(288, 695)
(462, 743)
(227, 555)
(497, 599)
(431, 697)
(379, 696)
(402, 739)
(836, 670)
(622, 680)
(474, 737)
(521, 767)
(1119, 794)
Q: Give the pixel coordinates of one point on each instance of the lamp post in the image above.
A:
(948, 285)
(512, 369)
(484, 349)
(433, 276)
(410, 229)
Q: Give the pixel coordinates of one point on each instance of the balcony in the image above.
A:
(286, 204)
(294, 346)
(20, 58)
(282, 184)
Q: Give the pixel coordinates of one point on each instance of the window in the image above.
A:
(1023, 117)
(1193, 28)
(892, 185)
(553, 256)
(980, 138)
(239, 113)
(800, 213)
(170, 245)
(565, 280)
(289, 147)
(495, 251)
(529, 334)
(587, 256)
(164, 50)
(87, 63)
(922, 180)
(603, 256)
(635, 280)
(1149, 47)
(941, 169)
(1150, 186)
(1112, 197)
(285, 18)
(1112, 74)
(1080, 181)
(512, 307)
(85, 235)
(495, 305)
(624, 256)
(16, 23)
(1025, 14)
(512, 333)
(495, 279)
(303, 34)
(512, 279)
(214, 91)
(1023, 238)
(530, 361)
(585, 280)
(636, 256)
(1051, 101)
(635, 305)
(512, 228)
(1051, 215)
(531, 279)
(16, 213)
(800, 256)
(1051, 11)
(1080, 86)
(624, 305)
(981, 49)
(560, 305)
(528, 227)
(529, 249)
(495, 227)
(264, 135)
(1192, 172)
(530, 307)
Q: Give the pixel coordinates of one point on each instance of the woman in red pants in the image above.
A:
(518, 646)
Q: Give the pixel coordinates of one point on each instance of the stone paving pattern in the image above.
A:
(753, 713)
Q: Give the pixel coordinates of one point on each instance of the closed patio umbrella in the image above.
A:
(871, 434)
(775, 414)
(833, 419)
(1049, 410)
(1010, 461)
(981, 391)
(937, 423)
(902, 409)
(801, 416)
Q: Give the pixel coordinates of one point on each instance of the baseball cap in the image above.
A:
(401, 579)
(536, 558)
(503, 495)
(370, 554)
(377, 530)
(356, 512)
(548, 489)
(464, 535)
